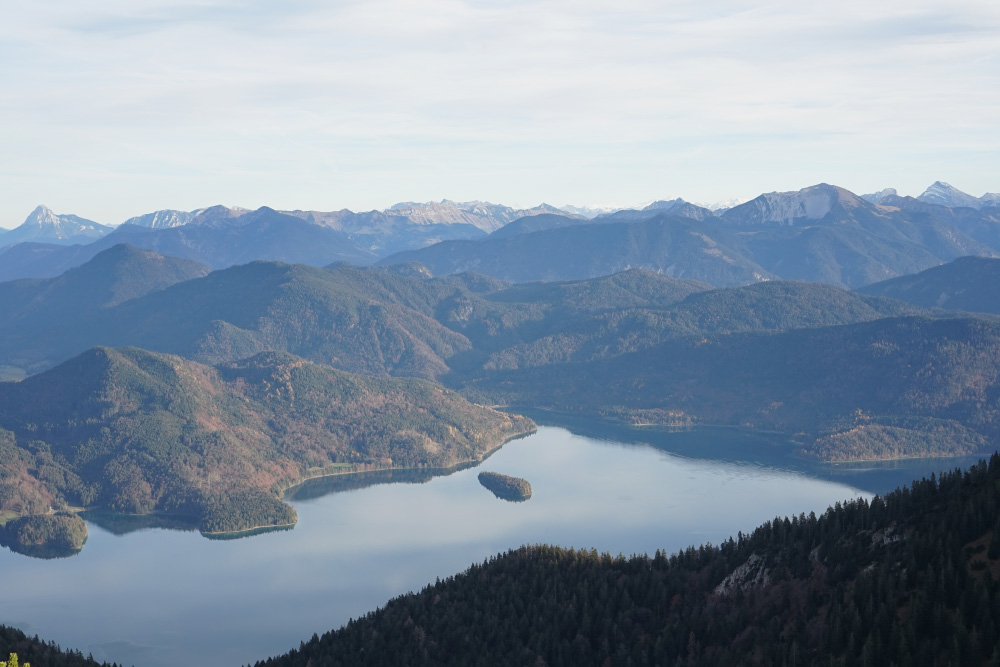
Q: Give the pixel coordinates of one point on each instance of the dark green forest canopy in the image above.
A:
(42, 654)
(968, 283)
(909, 579)
(637, 346)
(379, 322)
(136, 432)
(506, 486)
(888, 388)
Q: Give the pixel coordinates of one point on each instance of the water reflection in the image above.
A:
(144, 595)
(755, 448)
(123, 524)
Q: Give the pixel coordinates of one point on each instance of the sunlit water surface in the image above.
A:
(156, 597)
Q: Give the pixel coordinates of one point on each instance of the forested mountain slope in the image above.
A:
(36, 652)
(969, 283)
(888, 388)
(116, 275)
(635, 345)
(679, 247)
(909, 579)
(135, 431)
(383, 322)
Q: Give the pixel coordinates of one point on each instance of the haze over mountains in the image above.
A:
(820, 233)
(44, 226)
(532, 312)
(664, 349)
(168, 368)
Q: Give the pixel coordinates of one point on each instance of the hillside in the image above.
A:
(113, 276)
(635, 325)
(373, 321)
(139, 432)
(348, 318)
(639, 346)
(537, 223)
(382, 322)
(969, 283)
(888, 388)
(676, 246)
(909, 579)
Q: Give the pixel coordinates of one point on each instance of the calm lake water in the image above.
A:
(154, 597)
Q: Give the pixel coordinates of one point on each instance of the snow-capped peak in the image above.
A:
(880, 196)
(812, 203)
(43, 224)
(665, 205)
(943, 194)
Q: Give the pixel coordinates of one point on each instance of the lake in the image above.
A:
(154, 597)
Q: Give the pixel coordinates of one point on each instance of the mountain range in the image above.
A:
(223, 240)
(844, 370)
(821, 233)
(146, 373)
(44, 226)
(381, 321)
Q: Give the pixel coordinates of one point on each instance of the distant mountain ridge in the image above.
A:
(819, 234)
(261, 234)
(812, 203)
(822, 233)
(675, 246)
(44, 226)
(484, 215)
(944, 194)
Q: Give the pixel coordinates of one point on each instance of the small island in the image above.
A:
(506, 487)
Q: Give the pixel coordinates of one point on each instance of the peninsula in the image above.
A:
(138, 432)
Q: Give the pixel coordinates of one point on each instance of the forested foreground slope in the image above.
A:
(38, 653)
(136, 432)
(909, 579)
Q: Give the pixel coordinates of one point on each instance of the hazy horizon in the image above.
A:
(635, 205)
(114, 109)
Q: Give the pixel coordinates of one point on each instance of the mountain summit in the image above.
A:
(812, 203)
(880, 196)
(43, 225)
(484, 215)
(943, 194)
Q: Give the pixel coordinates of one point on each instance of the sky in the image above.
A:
(120, 107)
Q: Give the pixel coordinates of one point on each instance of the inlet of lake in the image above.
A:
(152, 597)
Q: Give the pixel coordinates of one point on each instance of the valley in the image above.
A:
(219, 372)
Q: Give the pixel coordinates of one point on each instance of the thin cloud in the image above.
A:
(370, 102)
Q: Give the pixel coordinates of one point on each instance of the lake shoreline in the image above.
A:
(192, 521)
(568, 419)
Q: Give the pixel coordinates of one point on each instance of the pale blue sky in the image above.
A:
(115, 108)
